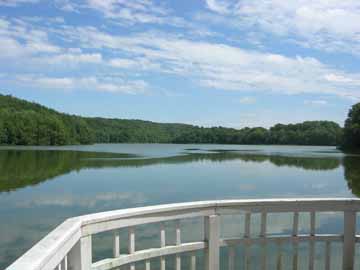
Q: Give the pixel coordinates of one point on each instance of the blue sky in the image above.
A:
(232, 63)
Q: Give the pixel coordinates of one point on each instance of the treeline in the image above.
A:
(351, 141)
(307, 133)
(27, 123)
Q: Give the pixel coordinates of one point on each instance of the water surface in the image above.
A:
(42, 186)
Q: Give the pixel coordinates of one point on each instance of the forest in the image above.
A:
(351, 138)
(27, 123)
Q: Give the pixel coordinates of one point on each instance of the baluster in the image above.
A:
(212, 236)
(74, 257)
(263, 224)
(349, 240)
(79, 257)
(312, 223)
(311, 254)
(295, 254)
(231, 258)
(178, 243)
(327, 255)
(279, 257)
(264, 242)
(246, 256)
(312, 241)
(162, 244)
(296, 224)
(81, 254)
(247, 225)
(247, 243)
(147, 265)
(295, 240)
(116, 244)
(193, 261)
(131, 245)
(64, 263)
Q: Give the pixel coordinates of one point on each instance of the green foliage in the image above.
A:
(3, 134)
(26, 123)
(307, 133)
(352, 129)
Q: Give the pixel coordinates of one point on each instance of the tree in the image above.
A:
(3, 139)
(352, 129)
(27, 123)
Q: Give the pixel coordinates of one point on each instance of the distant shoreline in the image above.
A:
(26, 123)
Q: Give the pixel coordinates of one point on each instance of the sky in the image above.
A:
(232, 63)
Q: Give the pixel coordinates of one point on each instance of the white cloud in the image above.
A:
(326, 25)
(247, 100)
(316, 102)
(14, 3)
(105, 84)
(218, 6)
(72, 58)
(122, 63)
(209, 64)
(19, 39)
(140, 63)
(24, 43)
(127, 87)
(222, 66)
(10, 48)
(39, 46)
(135, 11)
(336, 78)
(57, 83)
(67, 5)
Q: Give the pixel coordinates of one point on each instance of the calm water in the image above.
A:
(42, 186)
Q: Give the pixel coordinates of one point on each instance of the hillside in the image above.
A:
(27, 123)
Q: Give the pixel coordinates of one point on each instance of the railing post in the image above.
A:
(349, 240)
(178, 242)
(116, 244)
(80, 256)
(295, 233)
(212, 237)
(312, 240)
(131, 245)
(74, 261)
(162, 244)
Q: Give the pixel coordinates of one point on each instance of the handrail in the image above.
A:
(68, 240)
(49, 251)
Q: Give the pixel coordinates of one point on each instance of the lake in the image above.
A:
(42, 186)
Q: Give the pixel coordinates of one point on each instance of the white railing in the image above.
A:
(69, 246)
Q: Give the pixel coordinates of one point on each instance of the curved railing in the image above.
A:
(69, 246)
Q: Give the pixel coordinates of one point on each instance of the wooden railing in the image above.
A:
(69, 246)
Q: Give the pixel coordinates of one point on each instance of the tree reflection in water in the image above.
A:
(352, 173)
(21, 168)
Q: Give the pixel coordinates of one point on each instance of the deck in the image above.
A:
(70, 247)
